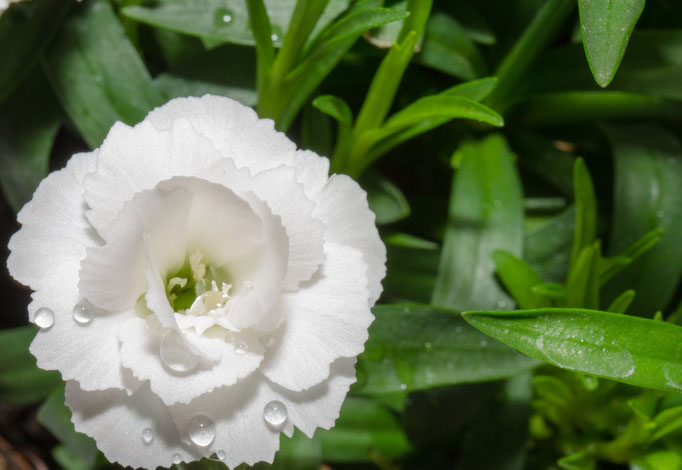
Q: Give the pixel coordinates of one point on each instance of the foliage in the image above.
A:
(464, 121)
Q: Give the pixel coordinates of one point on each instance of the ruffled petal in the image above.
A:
(312, 171)
(116, 422)
(238, 413)
(140, 352)
(235, 130)
(324, 320)
(55, 232)
(342, 206)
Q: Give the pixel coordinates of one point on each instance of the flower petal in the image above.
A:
(324, 320)
(238, 413)
(116, 422)
(234, 129)
(342, 206)
(312, 171)
(140, 348)
(55, 232)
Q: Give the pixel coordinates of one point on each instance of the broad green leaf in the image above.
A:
(474, 90)
(411, 269)
(25, 29)
(384, 198)
(222, 20)
(334, 107)
(97, 74)
(56, 417)
(447, 48)
(585, 210)
(609, 345)
(647, 196)
(606, 27)
(414, 347)
(621, 303)
(485, 214)
(296, 452)
(544, 159)
(519, 278)
(21, 381)
(68, 459)
(547, 247)
(29, 120)
(497, 438)
(207, 73)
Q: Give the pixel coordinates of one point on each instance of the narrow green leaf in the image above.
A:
(582, 460)
(609, 345)
(547, 247)
(622, 302)
(647, 196)
(485, 214)
(414, 347)
(609, 267)
(585, 210)
(612, 266)
(56, 417)
(667, 421)
(21, 381)
(25, 29)
(384, 198)
(29, 120)
(334, 107)
(582, 286)
(475, 90)
(552, 390)
(97, 74)
(262, 34)
(442, 106)
(659, 460)
(606, 27)
(519, 278)
(552, 290)
(544, 159)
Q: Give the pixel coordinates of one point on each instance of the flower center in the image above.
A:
(198, 288)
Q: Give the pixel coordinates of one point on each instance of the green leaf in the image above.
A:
(582, 286)
(25, 29)
(411, 268)
(414, 347)
(606, 27)
(475, 90)
(56, 417)
(547, 247)
(262, 33)
(622, 302)
(29, 121)
(667, 421)
(519, 278)
(552, 290)
(384, 198)
(208, 73)
(449, 49)
(97, 74)
(660, 460)
(497, 437)
(21, 381)
(582, 460)
(647, 196)
(222, 20)
(585, 210)
(609, 345)
(485, 214)
(334, 107)
(545, 160)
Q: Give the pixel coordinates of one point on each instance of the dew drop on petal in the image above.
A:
(241, 348)
(44, 318)
(175, 354)
(201, 430)
(82, 313)
(248, 285)
(221, 455)
(275, 413)
(176, 458)
(147, 435)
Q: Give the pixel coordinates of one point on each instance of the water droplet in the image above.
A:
(98, 78)
(201, 430)
(44, 318)
(220, 454)
(458, 329)
(403, 386)
(274, 37)
(147, 435)
(222, 17)
(660, 214)
(176, 458)
(227, 18)
(484, 343)
(673, 375)
(428, 346)
(175, 354)
(82, 313)
(501, 304)
(267, 341)
(275, 413)
(248, 285)
(241, 348)
(497, 203)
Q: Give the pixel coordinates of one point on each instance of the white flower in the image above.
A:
(200, 284)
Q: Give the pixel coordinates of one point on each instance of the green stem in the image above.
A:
(534, 39)
(265, 52)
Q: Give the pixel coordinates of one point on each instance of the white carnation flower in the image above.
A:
(201, 284)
